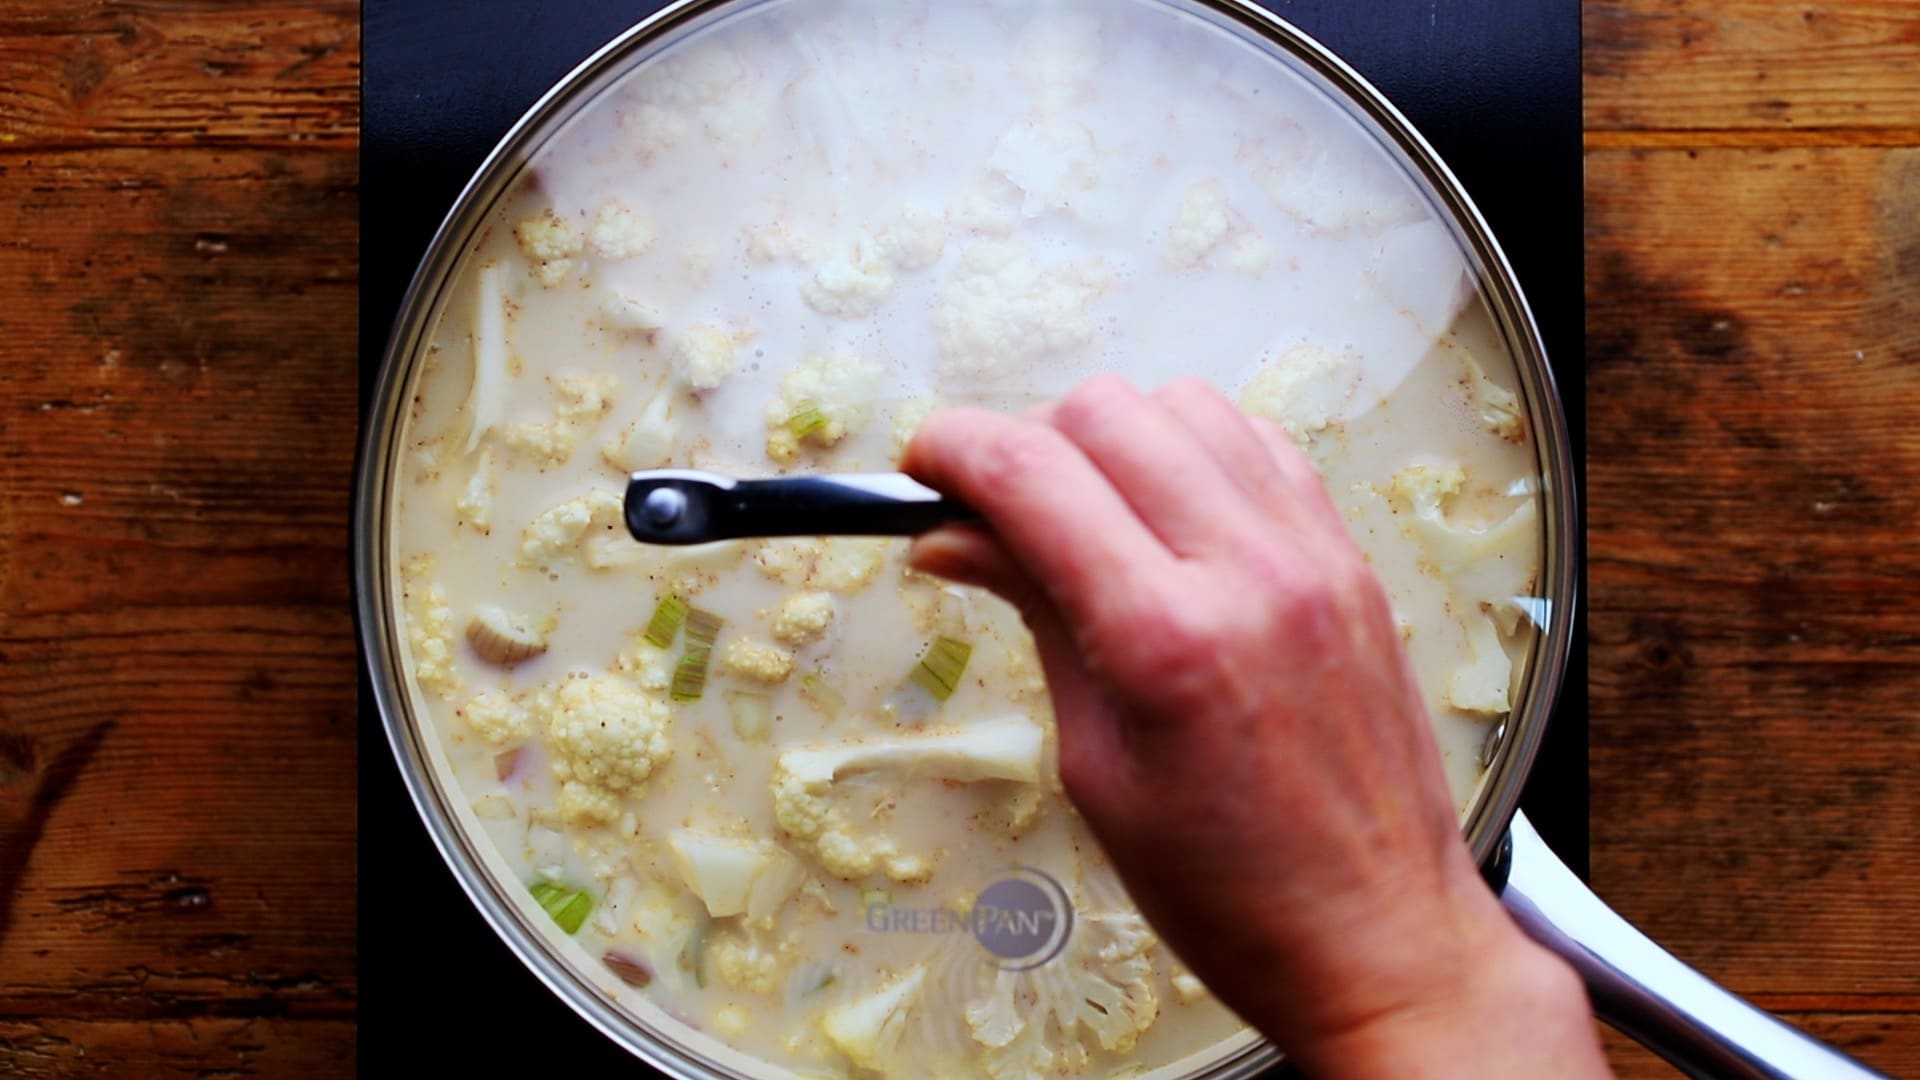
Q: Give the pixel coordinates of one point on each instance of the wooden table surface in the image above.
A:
(177, 321)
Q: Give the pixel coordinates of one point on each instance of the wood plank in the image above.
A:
(145, 72)
(1718, 64)
(1888, 1042)
(1753, 379)
(199, 1049)
(177, 676)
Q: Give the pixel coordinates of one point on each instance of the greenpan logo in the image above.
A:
(1022, 919)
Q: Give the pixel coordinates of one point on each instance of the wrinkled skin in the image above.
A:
(1241, 729)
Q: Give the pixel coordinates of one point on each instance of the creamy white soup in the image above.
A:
(755, 790)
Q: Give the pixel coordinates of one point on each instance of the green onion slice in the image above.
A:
(668, 614)
(690, 675)
(806, 420)
(569, 907)
(941, 667)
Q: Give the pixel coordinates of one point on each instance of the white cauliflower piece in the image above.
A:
(606, 736)
(630, 314)
(618, 232)
(803, 617)
(1482, 686)
(582, 401)
(1199, 225)
(788, 561)
(1305, 390)
(1495, 565)
(847, 565)
(1037, 1023)
(749, 962)
(1188, 989)
(1003, 749)
(1332, 189)
(1499, 407)
(487, 396)
(648, 442)
(990, 208)
(651, 129)
(646, 664)
(1052, 163)
(907, 420)
(550, 243)
(475, 504)
(732, 874)
(430, 631)
(756, 661)
(851, 285)
(821, 401)
(703, 357)
(561, 531)
(1250, 254)
(868, 1029)
(784, 242)
(1001, 312)
(913, 241)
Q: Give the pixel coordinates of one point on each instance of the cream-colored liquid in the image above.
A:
(835, 119)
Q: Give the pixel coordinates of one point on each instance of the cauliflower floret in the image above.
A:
(1004, 749)
(731, 1020)
(1482, 686)
(906, 420)
(847, 565)
(646, 664)
(913, 241)
(1198, 227)
(788, 561)
(1188, 989)
(619, 233)
(651, 129)
(703, 357)
(429, 628)
(1305, 391)
(783, 242)
(560, 531)
(1053, 163)
(1001, 312)
(747, 961)
(868, 1029)
(756, 661)
(583, 400)
(475, 504)
(487, 395)
(1250, 254)
(821, 401)
(1499, 407)
(1493, 565)
(647, 443)
(606, 736)
(550, 243)
(803, 617)
(1036, 1023)
(851, 285)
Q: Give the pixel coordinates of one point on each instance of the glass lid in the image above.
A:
(784, 806)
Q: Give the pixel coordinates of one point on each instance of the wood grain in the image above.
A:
(1769, 64)
(177, 202)
(1753, 388)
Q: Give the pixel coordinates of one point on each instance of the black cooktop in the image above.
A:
(1494, 85)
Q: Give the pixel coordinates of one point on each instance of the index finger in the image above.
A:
(1052, 509)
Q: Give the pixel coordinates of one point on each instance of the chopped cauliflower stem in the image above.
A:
(869, 1030)
(1005, 749)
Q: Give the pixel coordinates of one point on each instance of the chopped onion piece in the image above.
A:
(817, 692)
(752, 715)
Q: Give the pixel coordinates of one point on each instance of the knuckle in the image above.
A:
(1014, 457)
(1095, 402)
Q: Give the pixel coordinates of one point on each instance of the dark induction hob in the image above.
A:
(1493, 84)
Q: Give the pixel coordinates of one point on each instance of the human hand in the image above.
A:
(1240, 727)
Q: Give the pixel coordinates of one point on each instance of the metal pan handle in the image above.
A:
(1638, 987)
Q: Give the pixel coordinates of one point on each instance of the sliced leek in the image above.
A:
(668, 614)
(569, 907)
(942, 666)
